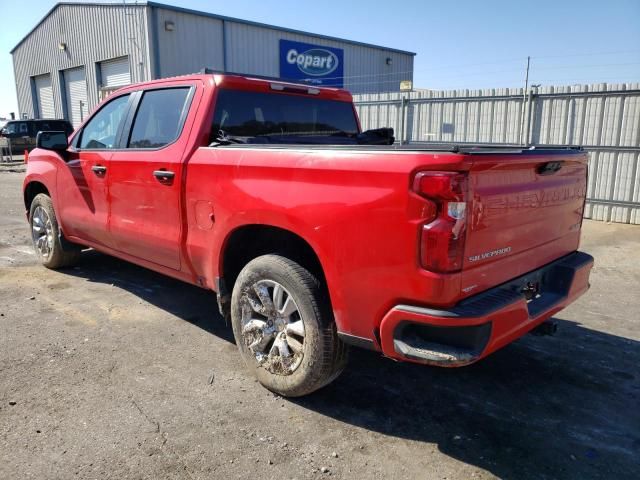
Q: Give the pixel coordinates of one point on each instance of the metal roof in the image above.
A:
(210, 15)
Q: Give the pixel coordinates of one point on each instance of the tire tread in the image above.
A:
(333, 357)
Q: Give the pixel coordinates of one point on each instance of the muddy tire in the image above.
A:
(284, 327)
(45, 234)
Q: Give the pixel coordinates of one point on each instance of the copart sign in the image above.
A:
(315, 64)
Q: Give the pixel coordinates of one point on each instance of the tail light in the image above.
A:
(444, 231)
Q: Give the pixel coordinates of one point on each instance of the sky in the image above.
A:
(459, 44)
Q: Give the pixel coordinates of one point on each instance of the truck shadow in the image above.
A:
(544, 407)
(195, 305)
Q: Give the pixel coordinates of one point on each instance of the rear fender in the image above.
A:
(290, 224)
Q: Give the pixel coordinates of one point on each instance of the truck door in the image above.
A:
(145, 177)
(82, 188)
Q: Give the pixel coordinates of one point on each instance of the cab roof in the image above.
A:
(253, 83)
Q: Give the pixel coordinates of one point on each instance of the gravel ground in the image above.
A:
(108, 370)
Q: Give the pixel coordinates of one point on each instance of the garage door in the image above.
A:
(115, 73)
(44, 96)
(75, 88)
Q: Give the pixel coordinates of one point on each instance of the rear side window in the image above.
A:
(101, 131)
(255, 114)
(159, 118)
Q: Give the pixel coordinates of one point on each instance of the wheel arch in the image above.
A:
(250, 241)
(247, 242)
(31, 189)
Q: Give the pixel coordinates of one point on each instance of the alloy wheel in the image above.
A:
(42, 232)
(273, 327)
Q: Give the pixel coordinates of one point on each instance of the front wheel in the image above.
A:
(45, 233)
(284, 328)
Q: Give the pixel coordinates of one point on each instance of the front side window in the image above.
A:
(258, 114)
(101, 131)
(159, 118)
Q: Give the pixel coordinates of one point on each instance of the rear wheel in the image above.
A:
(284, 328)
(45, 233)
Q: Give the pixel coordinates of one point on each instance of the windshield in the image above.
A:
(10, 128)
(255, 114)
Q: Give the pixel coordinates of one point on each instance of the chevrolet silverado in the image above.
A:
(313, 234)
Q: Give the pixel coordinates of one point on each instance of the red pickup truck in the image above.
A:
(313, 234)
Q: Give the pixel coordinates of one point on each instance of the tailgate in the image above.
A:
(526, 212)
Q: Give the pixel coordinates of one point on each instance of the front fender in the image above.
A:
(40, 170)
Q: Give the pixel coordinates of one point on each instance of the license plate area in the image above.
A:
(538, 290)
(541, 289)
(531, 291)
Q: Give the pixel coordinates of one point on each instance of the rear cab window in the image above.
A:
(259, 117)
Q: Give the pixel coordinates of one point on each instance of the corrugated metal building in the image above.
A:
(81, 51)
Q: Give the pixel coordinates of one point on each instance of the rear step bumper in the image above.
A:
(481, 324)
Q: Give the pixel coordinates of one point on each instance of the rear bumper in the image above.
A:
(482, 324)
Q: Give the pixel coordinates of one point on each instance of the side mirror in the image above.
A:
(56, 141)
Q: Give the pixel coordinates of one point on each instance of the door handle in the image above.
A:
(99, 169)
(164, 175)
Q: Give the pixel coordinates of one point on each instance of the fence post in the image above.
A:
(533, 102)
(403, 119)
(530, 113)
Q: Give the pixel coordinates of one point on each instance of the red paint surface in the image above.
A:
(355, 208)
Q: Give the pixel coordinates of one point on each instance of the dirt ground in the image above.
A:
(108, 370)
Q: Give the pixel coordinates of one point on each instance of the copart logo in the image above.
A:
(315, 62)
(493, 253)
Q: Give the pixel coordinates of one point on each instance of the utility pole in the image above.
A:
(524, 101)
